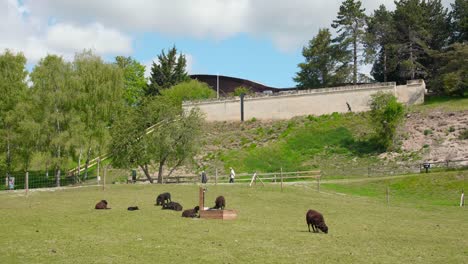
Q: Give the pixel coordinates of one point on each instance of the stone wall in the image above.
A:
(308, 102)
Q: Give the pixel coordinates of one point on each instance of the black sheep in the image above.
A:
(191, 212)
(172, 206)
(133, 208)
(315, 219)
(163, 198)
(220, 203)
(101, 205)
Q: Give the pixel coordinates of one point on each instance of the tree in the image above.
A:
(172, 140)
(188, 91)
(386, 114)
(242, 90)
(380, 43)
(99, 87)
(134, 79)
(168, 72)
(350, 24)
(412, 27)
(320, 68)
(459, 21)
(452, 74)
(53, 99)
(12, 89)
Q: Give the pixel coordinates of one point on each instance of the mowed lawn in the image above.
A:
(62, 227)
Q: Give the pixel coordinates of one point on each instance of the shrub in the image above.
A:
(464, 134)
(242, 90)
(189, 91)
(451, 129)
(386, 114)
(427, 132)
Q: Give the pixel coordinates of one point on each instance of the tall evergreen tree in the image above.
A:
(412, 38)
(12, 89)
(350, 24)
(459, 21)
(320, 68)
(134, 78)
(170, 70)
(380, 43)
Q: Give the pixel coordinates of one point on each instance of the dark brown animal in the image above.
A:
(220, 203)
(163, 198)
(172, 206)
(133, 208)
(315, 219)
(101, 205)
(191, 212)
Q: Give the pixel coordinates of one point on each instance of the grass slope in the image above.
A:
(63, 227)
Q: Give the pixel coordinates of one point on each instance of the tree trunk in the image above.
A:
(79, 165)
(8, 159)
(147, 174)
(412, 61)
(57, 176)
(160, 171)
(385, 63)
(355, 60)
(87, 163)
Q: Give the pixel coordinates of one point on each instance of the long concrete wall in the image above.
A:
(308, 102)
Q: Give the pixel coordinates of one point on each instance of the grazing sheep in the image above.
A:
(172, 206)
(163, 198)
(220, 203)
(101, 205)
(133, 208)
(191, 212)
(315, 219)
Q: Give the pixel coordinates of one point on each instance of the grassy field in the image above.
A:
(62, 227)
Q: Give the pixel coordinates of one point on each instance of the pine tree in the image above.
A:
(350, 24)
(169, 71)
(459, 21)
(320, 68)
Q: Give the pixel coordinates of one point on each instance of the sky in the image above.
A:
(259, 40)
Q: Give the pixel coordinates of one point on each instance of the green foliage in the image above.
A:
(427, 132)
(459, 21)
(13, 89)
(134, 76)
(452, 74)
(451, 129)
(158, 132)
(242, 90)
(168, 71)
(321, 67)
(191, 90)
(386, 114)
(464, 134)
(350, 23)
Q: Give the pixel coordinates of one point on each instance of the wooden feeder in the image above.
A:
(205, 212)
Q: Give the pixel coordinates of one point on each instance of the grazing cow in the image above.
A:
(133, 208)
(163, 198)
(101, 205)
(191, 212)
(315, 219)
(220, 203)
(172, 206)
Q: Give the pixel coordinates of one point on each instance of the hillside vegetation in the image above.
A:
(336, 143)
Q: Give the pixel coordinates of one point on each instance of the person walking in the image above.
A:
(232, 175)
(204, 179)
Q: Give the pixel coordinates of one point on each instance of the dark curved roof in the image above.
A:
(228, 84)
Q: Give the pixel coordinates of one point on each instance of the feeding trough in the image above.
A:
(206, 212)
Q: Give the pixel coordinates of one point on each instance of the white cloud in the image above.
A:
(22, 31)
(289, 24)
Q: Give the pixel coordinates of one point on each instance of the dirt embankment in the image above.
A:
(436, 134)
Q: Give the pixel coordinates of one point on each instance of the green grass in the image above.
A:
(304, 145)
(438, 188)
(444, 103)
(63, 227)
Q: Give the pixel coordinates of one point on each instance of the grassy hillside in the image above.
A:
(337, 144)
(63, 227)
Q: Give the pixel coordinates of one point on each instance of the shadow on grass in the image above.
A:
(363, 147)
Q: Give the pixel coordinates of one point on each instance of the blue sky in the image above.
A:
(260, 40)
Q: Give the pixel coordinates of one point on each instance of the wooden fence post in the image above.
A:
(388, 196)
(26, 183)
(462, 198)
(216, 176)
(104, 180)
(281, 175)
(98, 167)
(318, 183)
